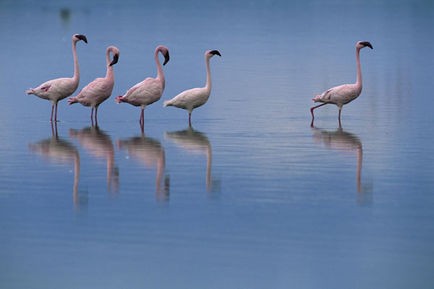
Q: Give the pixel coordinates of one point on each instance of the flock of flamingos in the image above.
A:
(151, 89)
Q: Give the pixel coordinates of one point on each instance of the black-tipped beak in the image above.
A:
(115, 59)
(215, 52)
(367, 44)
(82, 37)
(166, 57)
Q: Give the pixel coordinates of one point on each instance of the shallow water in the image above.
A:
(251, 196)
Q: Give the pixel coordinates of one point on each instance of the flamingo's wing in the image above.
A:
(146, 92)
(59, 87)
(345, 93)
(189, 99)
(338, 94)
(99, 88)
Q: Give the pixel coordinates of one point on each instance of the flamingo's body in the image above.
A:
(195, 97)
(57, 89)
(343, 94)
(101, 88)
(149, 90)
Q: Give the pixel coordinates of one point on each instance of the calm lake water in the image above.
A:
(251, 196)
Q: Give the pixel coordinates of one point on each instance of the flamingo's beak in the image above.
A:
(166, 57)
(115, 59)
(82, 37)
(215, 52)
(367, 44)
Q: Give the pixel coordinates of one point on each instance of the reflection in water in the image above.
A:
(99, 144)
(342, 140)
(62, 151)
(196, 142)
(150, 153)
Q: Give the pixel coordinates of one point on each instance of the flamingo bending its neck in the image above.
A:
(195, 97)
(345, 93)
(101, 88)
(149, 90)
(57, 89)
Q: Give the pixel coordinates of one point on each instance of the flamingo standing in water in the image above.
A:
(345, 93)
(149, 90)
(101, 88)
(57, 89)
(195, 97)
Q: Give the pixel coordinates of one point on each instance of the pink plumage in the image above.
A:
(57, 89)
(192, 98)
(149, 90)
(101, 88)
(342, 94)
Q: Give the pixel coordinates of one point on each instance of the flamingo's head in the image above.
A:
(78, 37)
(165, 51)
(362, 44)
(115, 51)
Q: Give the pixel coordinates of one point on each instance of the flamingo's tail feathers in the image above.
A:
(167, 103)
(72, 100)
(119, 99)
(30, 91)
(317, 98)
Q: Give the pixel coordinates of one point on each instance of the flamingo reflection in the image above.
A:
(195, 142)
(59, 150)
(99, 145)
(343, 141)
(151, 154)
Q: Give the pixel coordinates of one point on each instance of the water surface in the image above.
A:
(249, 197)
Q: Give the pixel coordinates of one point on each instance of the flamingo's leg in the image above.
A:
(312, 109)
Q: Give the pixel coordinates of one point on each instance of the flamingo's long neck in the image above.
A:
(208, 74)
(109, 73)
(160, 73)
(359, 69)
(76, 76)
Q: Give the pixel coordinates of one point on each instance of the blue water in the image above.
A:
(251, 196)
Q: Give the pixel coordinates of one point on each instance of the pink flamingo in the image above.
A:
(195, 97)
(149, 90)
(345, 93)
(57, 89)
(101, 88)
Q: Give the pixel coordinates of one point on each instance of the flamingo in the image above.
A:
(101, 88)
(149, 90)
(345, 93)
(57, 89)
(195, 97)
